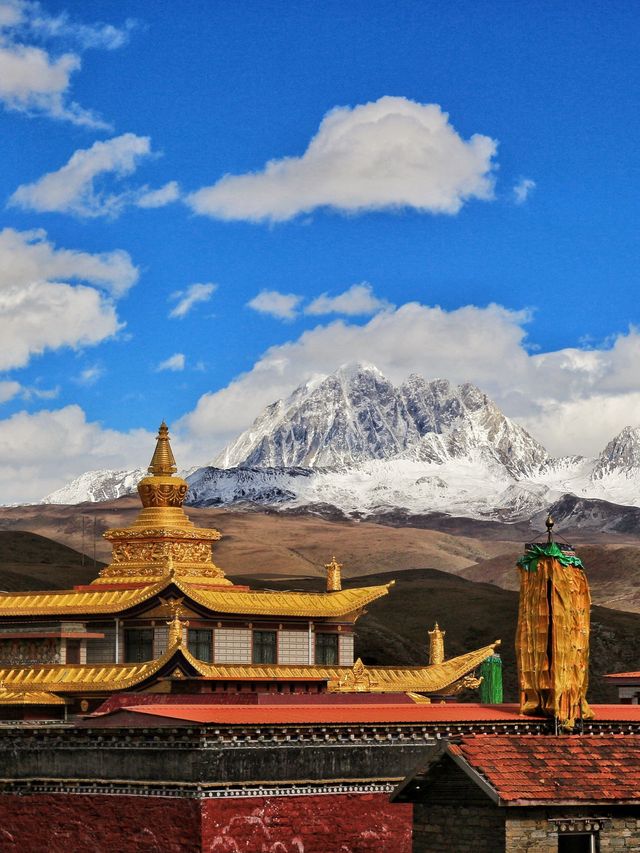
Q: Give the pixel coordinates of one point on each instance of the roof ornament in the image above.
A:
(174, 608)
(436, 645)
(163, 463)
(334, 575)
(549, 525)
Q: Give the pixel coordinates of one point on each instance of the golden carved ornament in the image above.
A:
(436, 645)
(334, 575)
(357, 680)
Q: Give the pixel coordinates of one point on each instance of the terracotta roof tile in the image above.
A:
(355, 713)
(568, 768)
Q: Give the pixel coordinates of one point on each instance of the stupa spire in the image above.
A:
(163, 463)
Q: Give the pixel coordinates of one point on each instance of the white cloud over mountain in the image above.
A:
(389, 154)
(41, 450)
(36, 80)
(570, 400)
(52, 298)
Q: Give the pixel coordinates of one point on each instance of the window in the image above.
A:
(138, 644)
(73, 651)
(200, 643)
(327, 649)
(578, 843)
(265, 647)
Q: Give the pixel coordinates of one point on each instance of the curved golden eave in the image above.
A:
(78, 678)
(247, 603)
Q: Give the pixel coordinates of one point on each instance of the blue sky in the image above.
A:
(499, 245)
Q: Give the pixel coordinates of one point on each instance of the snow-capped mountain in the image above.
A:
(97, 486)
(356, 415)
(101, 486)
(356, 442)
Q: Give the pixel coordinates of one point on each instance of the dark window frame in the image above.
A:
(196, 644)
(143, 641)
(327, 653)
(264, 647)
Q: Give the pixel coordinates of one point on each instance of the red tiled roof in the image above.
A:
(565, 769)
(617, 713)
(634, 675)
(354, 713)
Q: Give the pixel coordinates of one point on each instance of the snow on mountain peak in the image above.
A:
(357, 415)
(621, 456)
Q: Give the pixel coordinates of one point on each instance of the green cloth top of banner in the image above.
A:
(538, 552)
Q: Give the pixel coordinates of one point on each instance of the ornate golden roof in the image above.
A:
(31, 697)
(77, 678)
(99, 601)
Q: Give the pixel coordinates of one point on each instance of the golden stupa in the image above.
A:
(162, 542)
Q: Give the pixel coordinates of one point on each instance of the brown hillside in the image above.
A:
(30, 561)
(266, 542)
(613, 572)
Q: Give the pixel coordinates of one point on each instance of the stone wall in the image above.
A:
(456, 828)
(529, 831)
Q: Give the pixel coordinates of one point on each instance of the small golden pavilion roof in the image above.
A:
(74, 678)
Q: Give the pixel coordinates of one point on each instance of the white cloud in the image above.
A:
(159, 198)
(90, 375)
(284, 306)
(34, 80)
(358, 300)
(38, 311)
(73, 188)
(27, 256)
(571, 400)
(523, 189)
(467, 344)
(175, 362)
(193, 295)
(389, 154)
(43, 451)
(8, 390)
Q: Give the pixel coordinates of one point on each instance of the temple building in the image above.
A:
(164, 618)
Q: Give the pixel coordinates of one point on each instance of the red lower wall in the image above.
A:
(69, 823)
(340, 823)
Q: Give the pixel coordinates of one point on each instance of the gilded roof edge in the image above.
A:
(73, 678)
(253, 602)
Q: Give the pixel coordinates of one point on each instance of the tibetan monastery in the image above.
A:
(163, 618)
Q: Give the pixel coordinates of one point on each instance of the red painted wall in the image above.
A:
(70, 823)
(341, 823)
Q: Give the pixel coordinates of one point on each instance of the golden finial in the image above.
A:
(436, 645)
(334, 575)
(163, 463)
(549, 525)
